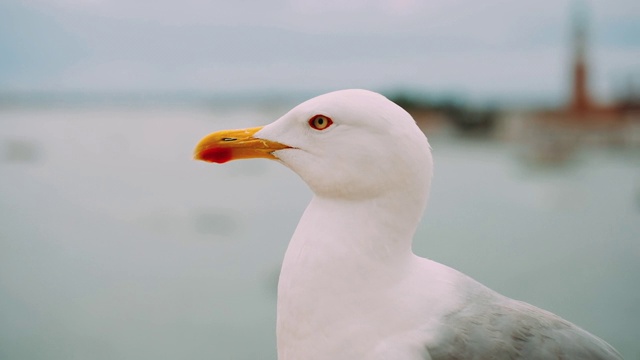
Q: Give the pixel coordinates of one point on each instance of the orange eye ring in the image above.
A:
(320, 122)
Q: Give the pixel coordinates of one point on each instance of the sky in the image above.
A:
(488, 49)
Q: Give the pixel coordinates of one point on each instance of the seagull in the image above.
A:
(350, 286)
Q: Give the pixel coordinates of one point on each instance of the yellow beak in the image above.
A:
(227, 145)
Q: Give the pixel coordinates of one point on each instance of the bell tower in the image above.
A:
(580, 99)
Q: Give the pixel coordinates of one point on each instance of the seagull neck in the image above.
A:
(379, 227)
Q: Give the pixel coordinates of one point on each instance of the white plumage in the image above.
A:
(350, 286)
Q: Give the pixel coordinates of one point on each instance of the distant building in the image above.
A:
(555, 133)
(580, 99)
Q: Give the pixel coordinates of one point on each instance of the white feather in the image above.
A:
(350, 286)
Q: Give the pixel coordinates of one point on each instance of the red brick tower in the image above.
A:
(580, 99)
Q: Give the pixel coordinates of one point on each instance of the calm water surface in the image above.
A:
(114, 244)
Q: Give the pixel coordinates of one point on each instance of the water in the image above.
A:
(114, 244)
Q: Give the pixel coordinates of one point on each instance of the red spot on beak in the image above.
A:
(216, 155)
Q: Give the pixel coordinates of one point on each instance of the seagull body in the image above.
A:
(350, 286)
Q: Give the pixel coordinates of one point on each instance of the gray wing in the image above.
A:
(510, 329)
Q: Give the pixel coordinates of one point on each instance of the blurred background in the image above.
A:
(114, 244)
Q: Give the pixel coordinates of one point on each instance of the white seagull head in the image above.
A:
(352, 144)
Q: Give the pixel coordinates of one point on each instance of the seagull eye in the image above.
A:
(320, 122)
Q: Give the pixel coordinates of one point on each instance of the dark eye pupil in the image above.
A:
(320, 121)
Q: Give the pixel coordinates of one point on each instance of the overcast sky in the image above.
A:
(480, 49)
